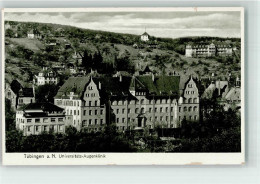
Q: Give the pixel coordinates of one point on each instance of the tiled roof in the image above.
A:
(233, 94)
(45, 106)
(162, 85)
(20, 91)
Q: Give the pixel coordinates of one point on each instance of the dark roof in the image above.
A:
(145, 33)
(26, 92)
(15, 86)
(44, 106)
(162, 85)
(20, 91)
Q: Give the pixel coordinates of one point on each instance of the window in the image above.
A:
(74, 112)
(190, 109)
(166, 118)
(45, 128)
(29, 128)
(190, 85)
(142, 101)
(84, 112)
(117, 120)
(123, 111)
(190, 100)
(95, 103)
(117, 111)
(123, 120)
(195, 100)
(129, 110)
(53, 120)
(179, 109)
(161, 118)
(90, 112)
(95, 112)
(171, 109)
(190, 118)
(185, 109)
(166, 109)
(101, 121)
(136, 110)
(37, 120)
(195, 108)
(37, 128)
(45, 120)
(150, 109)
(78, 112)
(101, 111)
(90, 121)
(89, 103)
(60, 119)
(155, 109)
(95, 121)
(60, 127)
(161, 109)
(29, 120)
(195, 117)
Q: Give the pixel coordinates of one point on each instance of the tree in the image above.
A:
(46, 93)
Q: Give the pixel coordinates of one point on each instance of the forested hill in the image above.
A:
(62, 45)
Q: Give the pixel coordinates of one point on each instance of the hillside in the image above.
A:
(105, 51)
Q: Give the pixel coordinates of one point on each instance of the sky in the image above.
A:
(158, 24)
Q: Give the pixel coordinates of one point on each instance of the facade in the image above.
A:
(229, 97)
(34, 34)
(145, 37)
(18, 95)
(208, 50)
(46, 76)
(129, 102)
(36, 118)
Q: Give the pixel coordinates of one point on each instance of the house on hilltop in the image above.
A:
(34, 34)
(46, 76)
(145, 37)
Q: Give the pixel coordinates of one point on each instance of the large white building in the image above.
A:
(208, 50)
(130, 102)
(36, 118)
(46, 76)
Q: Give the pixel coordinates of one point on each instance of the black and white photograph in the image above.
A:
(153, 85)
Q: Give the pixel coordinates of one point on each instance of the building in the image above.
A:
(130, 102)
(34, 34)
(35, 118)
(228, 96)
(46, 76)
(19, 95)
(208, 50)
(145, 37)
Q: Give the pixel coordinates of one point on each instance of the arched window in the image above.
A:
(185, 109)
(190, 100)
(195, 100)
(142, 110)
(195, 108)
(190, 109)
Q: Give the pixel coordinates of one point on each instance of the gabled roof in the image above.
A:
(233, 94)
(145, 34)
(20, 91)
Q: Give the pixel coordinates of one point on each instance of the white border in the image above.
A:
(130, 158)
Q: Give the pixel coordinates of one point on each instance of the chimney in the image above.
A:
(99, 85)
